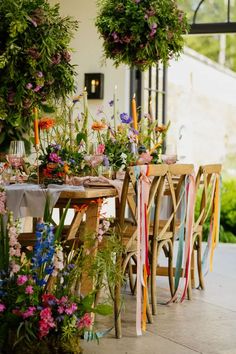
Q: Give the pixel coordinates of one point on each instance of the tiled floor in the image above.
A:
(207, 324)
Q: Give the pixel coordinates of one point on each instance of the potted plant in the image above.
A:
(35, 67)
(141, 32)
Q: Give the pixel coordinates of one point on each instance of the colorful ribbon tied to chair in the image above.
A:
(143, 269)
(213, 237)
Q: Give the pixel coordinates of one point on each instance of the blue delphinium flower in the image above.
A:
(125, 118)
(42, 260)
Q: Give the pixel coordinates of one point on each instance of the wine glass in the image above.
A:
(170, 155)
(15, 156)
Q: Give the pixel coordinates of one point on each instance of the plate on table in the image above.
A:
(98, 184)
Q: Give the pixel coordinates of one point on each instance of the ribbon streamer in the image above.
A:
(143, 269)
(213, 237)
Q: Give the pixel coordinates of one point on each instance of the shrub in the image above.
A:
(227, 215)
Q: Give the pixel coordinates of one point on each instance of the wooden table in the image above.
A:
(88, 203)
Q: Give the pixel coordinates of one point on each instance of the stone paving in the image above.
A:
(206, 324)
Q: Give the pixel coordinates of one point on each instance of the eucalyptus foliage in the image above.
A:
(141, 32)
(35, 66)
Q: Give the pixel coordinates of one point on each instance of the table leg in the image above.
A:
(90, 230)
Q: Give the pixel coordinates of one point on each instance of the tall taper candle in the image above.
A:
(36, 127)
(134, 113)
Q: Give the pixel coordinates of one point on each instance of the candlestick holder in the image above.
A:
(37, 162)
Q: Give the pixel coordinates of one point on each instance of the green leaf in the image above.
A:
(60, 227)
(20, 298)
(87, 302)
(80, 137)
(103, 309)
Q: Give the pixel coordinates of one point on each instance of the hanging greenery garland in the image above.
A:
(141, 32)
(35, 67)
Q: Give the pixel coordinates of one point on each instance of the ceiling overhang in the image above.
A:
(215, 27)
(210, 28)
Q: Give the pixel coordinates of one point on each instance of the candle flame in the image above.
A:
(134, 96)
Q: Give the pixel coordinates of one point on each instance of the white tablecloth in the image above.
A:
(29, 199)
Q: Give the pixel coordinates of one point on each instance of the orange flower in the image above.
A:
(98, 126)
(161, 128)
(66, 168)
(46, 123)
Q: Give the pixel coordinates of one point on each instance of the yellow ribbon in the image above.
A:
(216, 221)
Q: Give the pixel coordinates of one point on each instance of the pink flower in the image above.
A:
(84, 321)
(144, 158)
(60, 310)
(54, 157)
(71, 309)
(2, 202)
(63, 300)
(29, 312)
(46, 322)
(48, 299)
(29, 290)
(14, 267)
(2, 307)
(100, 149)
(22, 279)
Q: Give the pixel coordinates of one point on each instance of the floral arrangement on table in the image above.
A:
(141, 32)
(104, 144)
(35, 67)
(41, 310)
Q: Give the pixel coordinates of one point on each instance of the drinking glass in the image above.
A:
(170, 155)
(15, 156)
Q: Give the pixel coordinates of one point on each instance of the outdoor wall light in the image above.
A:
(95, 85)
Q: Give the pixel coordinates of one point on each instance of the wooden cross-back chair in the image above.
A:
(164, 231)
(206, 190)
(126, 226)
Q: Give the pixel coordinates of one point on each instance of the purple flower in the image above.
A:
(56, 59)
(115, 37)
(37, 88)
(105, 161)
(134, 131)
(40, 74)
(66, 56)
(125, 118)
(111, 103)
(153, 30)
(137, 1)
(29, 86)
(54, 157)
(34, 53)
(100, 110)
(2, 307)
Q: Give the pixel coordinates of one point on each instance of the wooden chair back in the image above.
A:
(175, 189)
(206, 187)
(128, 203)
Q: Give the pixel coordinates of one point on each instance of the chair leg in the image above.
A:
(199, 263)
(153, 276)
(148, 311)
(189, 290)
(170, 268)
(117, 311)
(192, 270)
(117, 301)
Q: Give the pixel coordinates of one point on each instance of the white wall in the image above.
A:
(201, 101)
(88, 55)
